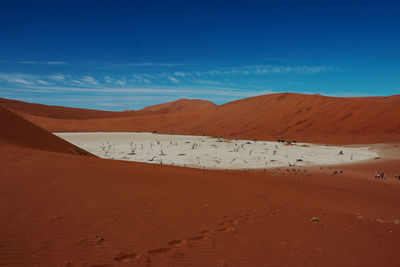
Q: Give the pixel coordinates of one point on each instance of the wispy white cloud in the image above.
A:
(173, 79)
(42, 82)
(180, 74)
(77, 82)
(223, 76)
(27, 62)
(121, 82)
(173, 91)
(18, 78)
(142, 78)
(107, 79)
(219, 83)
(89, 80)
(56, 89)
(213, 82)
(157, 64)
(127, 65)
(42, 62)
(55, 63)
(57, 77)
(271, 69)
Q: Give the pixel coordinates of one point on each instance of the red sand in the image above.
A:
(305, 118)
(59, 209)
(182, 105)
(17, 131)
(59, 112)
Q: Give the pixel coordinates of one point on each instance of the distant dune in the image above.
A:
(58, 112)
(311, 118)
(19, 132)
(306, 118)
(182, 105)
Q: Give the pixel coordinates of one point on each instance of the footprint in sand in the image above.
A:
(160, 251)
(232, 221)
(177, 242)
(198, 237)
(124, 257)
(223, 229)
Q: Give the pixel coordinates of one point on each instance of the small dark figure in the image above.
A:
(341, 171)
(334, 172)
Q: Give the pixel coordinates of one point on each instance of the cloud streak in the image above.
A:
(173, 79)
(31, 62)
(222, 76)
(89, 80)
(17, 78)
(221, 84)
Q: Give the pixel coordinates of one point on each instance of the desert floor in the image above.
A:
(59, 210)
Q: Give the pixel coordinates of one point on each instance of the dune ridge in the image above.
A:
(182, 105)
(305, 118)
(17, 131)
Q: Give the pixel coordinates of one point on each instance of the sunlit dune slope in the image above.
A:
(182, 105)
(307, 118)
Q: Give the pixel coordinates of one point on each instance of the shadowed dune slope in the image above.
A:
(58, 112)
(304, 118)
(19, 132)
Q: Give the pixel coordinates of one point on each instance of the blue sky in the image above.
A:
(118, 55)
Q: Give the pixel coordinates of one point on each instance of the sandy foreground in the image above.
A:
(61, 206)
(58, 209)
(212, 153)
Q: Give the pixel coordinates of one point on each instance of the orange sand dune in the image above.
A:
(310, 118)
(59, 112)
(63, 210)
(182, 105)
(306, 118)
(19, 132)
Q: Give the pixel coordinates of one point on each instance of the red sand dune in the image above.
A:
(306, 118)
(182, 105)
(65, 210)
(310, 118)
(19, 132)
(58, 112)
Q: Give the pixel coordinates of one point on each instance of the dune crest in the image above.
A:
(182, 105)
(289, 116)
(17, 131)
